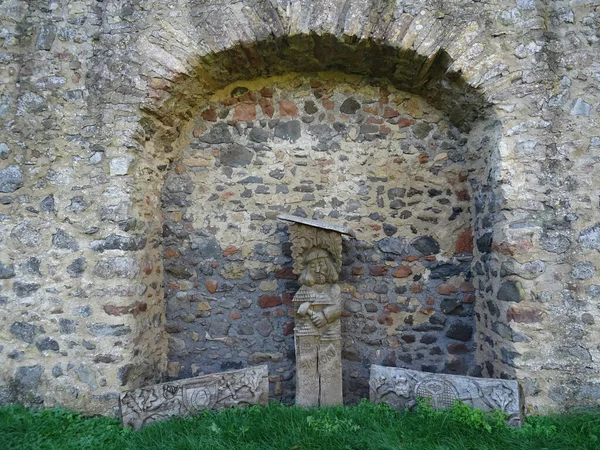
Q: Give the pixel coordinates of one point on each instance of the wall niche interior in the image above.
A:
(343, 148)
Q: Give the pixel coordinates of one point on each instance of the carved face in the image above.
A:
(319, 270)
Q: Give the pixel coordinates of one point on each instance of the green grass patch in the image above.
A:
(275, 426)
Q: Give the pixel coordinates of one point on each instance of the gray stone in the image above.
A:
(450, 305)
(219, 134)
(528, 271)
(580, 352)
(25, 331)
(352, 306)
(104, 329)
(461, 331)
(207, 248)
(349, 106)
(236, 155)
(289, 131)
(78, 204)
(119, 267)
(87, 376)
(46, 37)
(400, 389)
(590, 237)
(27, 233)
(120, 166)
(192, 395)
(22, 289)
(264, 327)
(426, 245)
(47, 344)
(31, 266)
(63, 241)
(29, 377)
(395, 246)
(116, 242)
(4, 151)
(57, 371)
(583, 270)
(259, 135)
(421, 130)
(580, 108)
(6, 271)
(593, 291)
(76, 268)
(47, 204)
(67, 326)
(556, 243)
(11, 179)
(511, 291)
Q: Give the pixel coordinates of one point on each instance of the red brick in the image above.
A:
(210, 114)
(279, 312)
(524, 314)
(430, 300)
(287, 108)
(446, 289)
(463, 195)
(375, 120)
(234, 315)
(385, 319)
(464, 243)
(327, 104)
(113, 310)
(469, 298)
(288, 328)
(389, 112)
(403, 123)
(267, 92)
(402, 272)
(230, 250)
(287, 298)
(314, 84)
(286, 273)
(358, 270)
(427, 311)
(392, 308)
(266, 105)
(171, 253)
(430, 258)
(455, 348)
(410, 258)
(269, 301)
(211, 286)
(383, 129)
(378, 271)
(467, 287)
(416, 288)
(245, 112)
(370, 110)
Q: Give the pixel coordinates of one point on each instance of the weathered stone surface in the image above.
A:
(400, 389)
(119, 267)
(25, 331)
(511, 291)
(426, 245)
(6, 271)
(190, 396)
(11, 179)
(590, 237)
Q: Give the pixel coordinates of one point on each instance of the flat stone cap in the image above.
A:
(317, 224)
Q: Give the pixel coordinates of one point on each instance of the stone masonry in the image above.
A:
(146, 148)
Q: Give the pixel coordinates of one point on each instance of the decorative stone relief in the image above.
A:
(317, 253)
(400, 388)
(186, 397)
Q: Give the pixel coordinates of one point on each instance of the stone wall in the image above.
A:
(340, 149)
(98, 106)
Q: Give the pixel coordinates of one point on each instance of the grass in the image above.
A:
(365, 426)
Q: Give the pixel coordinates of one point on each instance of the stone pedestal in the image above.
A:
(317, 253)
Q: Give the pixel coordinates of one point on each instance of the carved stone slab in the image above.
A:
(399, 388)
(186, 397)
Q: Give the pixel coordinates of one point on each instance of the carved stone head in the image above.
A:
(319, 268)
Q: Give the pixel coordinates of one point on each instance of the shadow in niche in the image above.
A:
(404, 68)
(426, 77)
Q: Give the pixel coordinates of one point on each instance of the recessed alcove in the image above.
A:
(411, 179)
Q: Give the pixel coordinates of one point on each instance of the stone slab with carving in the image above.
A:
(400, 388)
(186, 397)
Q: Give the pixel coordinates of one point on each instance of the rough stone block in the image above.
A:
(400, 388)
(186, 397)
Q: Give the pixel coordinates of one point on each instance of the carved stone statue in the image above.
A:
(317, 253)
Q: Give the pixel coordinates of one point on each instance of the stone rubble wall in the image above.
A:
(382, 161)
(95, 98)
